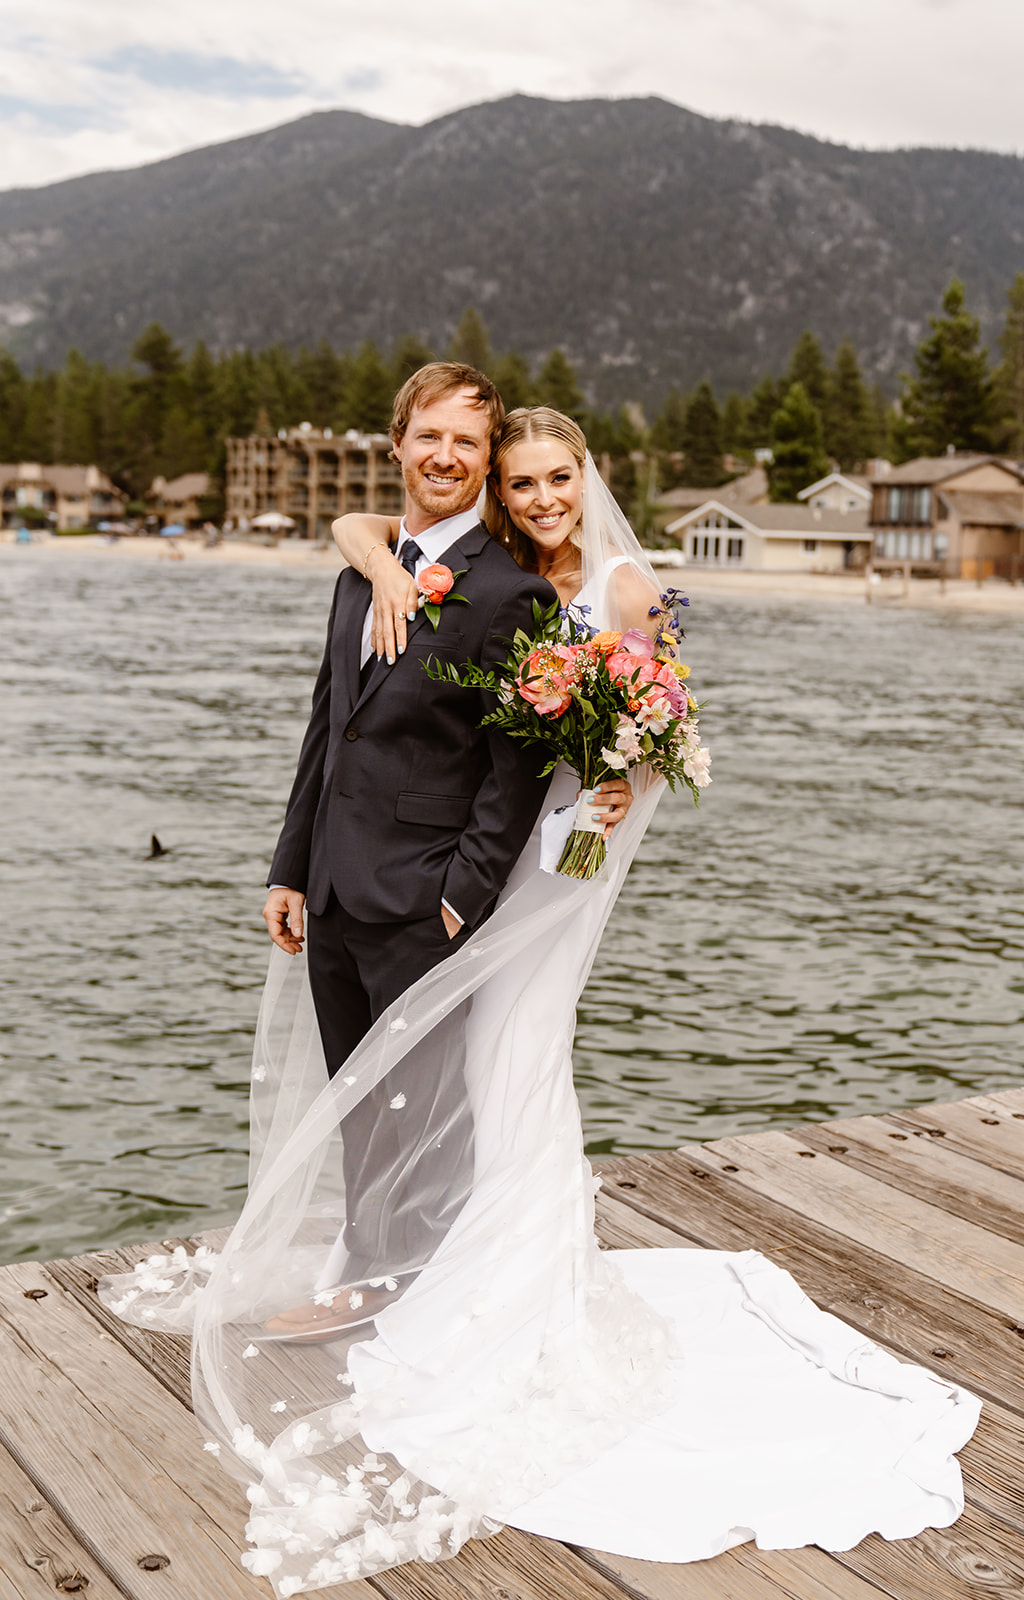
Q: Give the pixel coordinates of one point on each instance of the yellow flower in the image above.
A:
(679, 670)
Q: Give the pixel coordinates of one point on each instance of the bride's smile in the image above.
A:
(542, 487)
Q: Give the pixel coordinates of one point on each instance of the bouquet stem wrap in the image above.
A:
(584, 852)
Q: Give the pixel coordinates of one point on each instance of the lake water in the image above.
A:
(839, 929)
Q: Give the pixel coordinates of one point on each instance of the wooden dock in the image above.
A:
(908, 1226)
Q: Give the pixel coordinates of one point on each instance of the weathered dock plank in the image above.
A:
(910, 1227)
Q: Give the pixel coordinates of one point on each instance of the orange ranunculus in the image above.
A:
(607, 641)
(434, 583)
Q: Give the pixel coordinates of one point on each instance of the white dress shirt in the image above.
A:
(433, 543)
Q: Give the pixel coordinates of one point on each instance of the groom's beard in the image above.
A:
(439, 502)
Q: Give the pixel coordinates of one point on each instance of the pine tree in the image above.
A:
(370, 391)
(702, 439)
(848, 421)
(798, 453)
(948, 403)
(512, 380)
(734, 424)
(471, 343)
(1009, 376)
(557, 386)
(668, 431)
(807, 366)
(764, 402)
(408, 356)
(13, 402)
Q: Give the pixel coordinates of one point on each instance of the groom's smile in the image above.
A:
(444, 455)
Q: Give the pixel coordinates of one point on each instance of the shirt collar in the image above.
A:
(439, 538)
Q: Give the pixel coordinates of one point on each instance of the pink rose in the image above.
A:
(637, 643)
(434, 583)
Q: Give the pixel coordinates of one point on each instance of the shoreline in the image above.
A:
(962, 594)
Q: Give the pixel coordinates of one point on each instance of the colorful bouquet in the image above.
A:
(600, 702)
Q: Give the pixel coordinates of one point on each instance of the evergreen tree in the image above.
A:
(408, 356)
(201, 388)
(798, 452)
(734, 424)
(370, 391)
(13, 403)
(1009, 377)
(74, 428)
(702, 439)
(668, 431)
(557, 386)
(471, 343)
(511, 377)
(949, 402)
(807, 366)
(848, 420)
(764, 402)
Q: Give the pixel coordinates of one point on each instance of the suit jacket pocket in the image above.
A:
(433, 810)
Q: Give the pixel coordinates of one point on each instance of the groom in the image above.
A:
(404, 821)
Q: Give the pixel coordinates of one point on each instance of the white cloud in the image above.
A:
(96, 83)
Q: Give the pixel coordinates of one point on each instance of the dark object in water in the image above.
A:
(155, 848)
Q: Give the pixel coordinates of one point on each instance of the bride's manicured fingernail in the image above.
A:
(411, 616)
(401, 649)
(391, 661)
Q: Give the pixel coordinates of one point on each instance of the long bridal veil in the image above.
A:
(516, 1352)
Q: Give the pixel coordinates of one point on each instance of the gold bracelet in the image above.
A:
(376, 545)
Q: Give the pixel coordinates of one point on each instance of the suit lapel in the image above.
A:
(462, 551)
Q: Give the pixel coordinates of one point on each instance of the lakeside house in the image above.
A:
(750, 488)
(312, 476)
(961, 515)
(839, 491)
(781, 538)
(66, 497)
(184, 499)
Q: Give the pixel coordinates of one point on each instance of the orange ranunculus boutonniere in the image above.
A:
(435, 584)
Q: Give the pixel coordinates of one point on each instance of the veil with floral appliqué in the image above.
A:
(517, 1354)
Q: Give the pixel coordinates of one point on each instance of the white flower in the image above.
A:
(398, 1102)
(398, 1026)
(346, 1378)
(259, 1073)
(326, 1297)
(383, 1283)
(279, 1405)
(261, 1563)
(355, 1299)
(212, 1446)
(289, 1586)
(348, 1081)
(613, 759)
(696, 768)
(249, 1351)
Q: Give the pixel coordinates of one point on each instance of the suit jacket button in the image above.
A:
(350, 734)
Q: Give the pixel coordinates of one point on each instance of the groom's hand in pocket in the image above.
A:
(283, 916)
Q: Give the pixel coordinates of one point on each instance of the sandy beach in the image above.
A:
(840, 588)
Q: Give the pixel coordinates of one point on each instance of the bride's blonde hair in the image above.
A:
(528, 423)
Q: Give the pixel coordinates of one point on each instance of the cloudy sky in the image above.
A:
(87, 84)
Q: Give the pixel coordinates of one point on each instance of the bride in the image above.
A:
(665, 1404)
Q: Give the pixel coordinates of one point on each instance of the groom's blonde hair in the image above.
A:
(436, 381)
(527, 423)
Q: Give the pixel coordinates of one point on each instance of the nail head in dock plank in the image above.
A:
(908, 1226)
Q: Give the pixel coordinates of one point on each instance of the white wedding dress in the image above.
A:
(655, 1403)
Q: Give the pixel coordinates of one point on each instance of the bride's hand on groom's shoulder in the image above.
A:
(283, 917)
(395, 603)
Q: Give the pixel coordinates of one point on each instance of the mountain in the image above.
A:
(654, 245)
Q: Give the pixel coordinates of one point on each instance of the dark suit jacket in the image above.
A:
(401, 799)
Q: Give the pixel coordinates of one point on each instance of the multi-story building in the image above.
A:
(68, 497)
(311, 476)
(959, 515)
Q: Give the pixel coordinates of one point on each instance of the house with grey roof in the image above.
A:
(959, 515)
(783, 538)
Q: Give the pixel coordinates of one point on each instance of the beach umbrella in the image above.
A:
(172, 530)
(273, 520)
